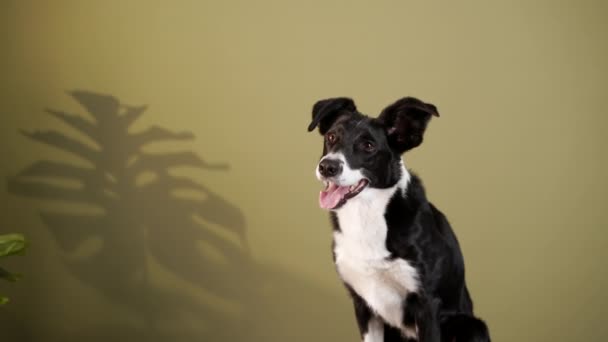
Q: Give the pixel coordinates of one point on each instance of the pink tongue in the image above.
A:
(330, 198)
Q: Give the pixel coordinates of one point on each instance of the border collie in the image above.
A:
(395, 252)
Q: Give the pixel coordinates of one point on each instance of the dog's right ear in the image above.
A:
(405, 122)
(325, 112)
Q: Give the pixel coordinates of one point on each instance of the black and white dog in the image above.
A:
(395, 252)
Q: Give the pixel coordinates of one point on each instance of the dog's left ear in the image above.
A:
(405, 122)
(325, 112)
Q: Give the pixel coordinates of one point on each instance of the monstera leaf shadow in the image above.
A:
(139, 211)
(145, 214)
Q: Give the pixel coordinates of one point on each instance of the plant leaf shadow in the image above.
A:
(141, 221)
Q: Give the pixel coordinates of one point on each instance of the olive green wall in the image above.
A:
(132, 249)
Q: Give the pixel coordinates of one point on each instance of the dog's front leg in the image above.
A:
(420, 315)
(371, 326)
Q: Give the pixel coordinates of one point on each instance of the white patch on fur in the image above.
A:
(347, 177)
(361, 255)
(410, 332)
(375, 331)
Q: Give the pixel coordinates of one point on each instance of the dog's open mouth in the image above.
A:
(335, 196)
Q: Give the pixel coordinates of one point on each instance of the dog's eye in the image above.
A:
(331, 138)
(369, 146)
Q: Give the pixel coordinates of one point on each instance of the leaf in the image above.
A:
(52, 169)
(99, 105)
(70, 230)
(156, 134)
(164, 161)
(41, 190)
(4, 274)
(132, 113)
(3, 300)
(65, 143)
(77, 122)
(12, 244)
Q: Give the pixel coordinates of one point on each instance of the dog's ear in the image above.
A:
(405, 122)
(325, 112)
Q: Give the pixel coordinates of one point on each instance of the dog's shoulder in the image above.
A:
(405, 206)
(415, 191)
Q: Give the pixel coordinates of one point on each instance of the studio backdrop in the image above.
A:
(155, 155)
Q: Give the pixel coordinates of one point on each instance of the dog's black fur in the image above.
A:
(418, 232)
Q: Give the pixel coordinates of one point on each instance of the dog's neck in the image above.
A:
(377, 199)
(362, 217)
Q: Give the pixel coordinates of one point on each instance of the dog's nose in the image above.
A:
(330, 167)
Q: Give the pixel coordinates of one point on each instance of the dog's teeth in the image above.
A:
(352, 187)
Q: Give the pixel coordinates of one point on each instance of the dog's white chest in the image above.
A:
(362, 259)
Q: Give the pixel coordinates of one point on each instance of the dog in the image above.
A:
(395, 252)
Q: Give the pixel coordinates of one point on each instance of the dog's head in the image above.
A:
(360, 152)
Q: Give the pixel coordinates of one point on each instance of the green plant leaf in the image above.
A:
(3, 300)
(4, 274)
(12, 244)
